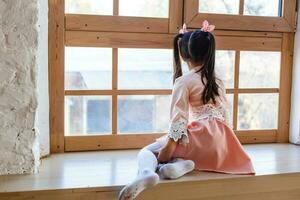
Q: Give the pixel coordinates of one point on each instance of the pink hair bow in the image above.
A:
(183, 29)
(206, 27)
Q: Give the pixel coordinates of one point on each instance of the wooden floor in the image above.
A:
(100, 175)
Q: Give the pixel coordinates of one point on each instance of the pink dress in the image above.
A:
(203, 131)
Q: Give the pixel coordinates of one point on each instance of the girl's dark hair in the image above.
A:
(199, 48)
(180, 45)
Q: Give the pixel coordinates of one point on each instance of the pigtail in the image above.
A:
(211, 89)
(177, 69)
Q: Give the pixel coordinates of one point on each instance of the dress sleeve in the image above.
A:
(179, 113)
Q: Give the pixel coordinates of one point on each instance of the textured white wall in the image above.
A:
(42, 121)
(18, 86)
(295, 106)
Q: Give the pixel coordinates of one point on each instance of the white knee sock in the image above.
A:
(146, 178)
(176, 168)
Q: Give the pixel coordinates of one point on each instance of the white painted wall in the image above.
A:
(42, 120)
(295, 105)
(23, 55)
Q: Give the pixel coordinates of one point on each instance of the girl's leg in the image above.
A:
(176, 168)
(173, 170)
(147, 164)
(147, 160)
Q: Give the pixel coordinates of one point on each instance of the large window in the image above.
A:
(111, 66)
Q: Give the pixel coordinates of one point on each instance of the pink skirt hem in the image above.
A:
(213, 147)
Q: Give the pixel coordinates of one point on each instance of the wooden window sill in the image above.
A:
(102, 174)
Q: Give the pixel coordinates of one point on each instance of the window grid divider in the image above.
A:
(115, 7)
(114, 116)
(241, 8)
(235, 90)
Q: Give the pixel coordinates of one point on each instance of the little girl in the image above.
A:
(207, 142)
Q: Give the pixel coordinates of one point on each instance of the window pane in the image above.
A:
(95, 7)
(257, 111)
(145, 68)
(143, 113)
(144, 8)
(263, 7)
(259, 69)
(225, 61)
(220, 7)
(88, 68)
(86, 115)
(230, 109)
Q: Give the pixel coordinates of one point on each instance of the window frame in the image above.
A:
(63, 32)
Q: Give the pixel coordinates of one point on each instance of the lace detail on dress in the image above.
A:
(210, 111)
(178, 130)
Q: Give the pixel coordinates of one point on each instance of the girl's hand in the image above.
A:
(167, 151)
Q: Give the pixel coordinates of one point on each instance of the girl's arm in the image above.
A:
(167, 151)
(178, 120)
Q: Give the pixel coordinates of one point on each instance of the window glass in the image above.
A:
(144, 8)
(94, 7)
(259, 69)
(143, 113)
(86, 115)
(257, 111)
(88, 68)
(145, 68)
(219, 7)
(225, 61)
(230, 109)
(263, 7)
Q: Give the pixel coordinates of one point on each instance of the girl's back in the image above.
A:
(191, 82)
(202, 130)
